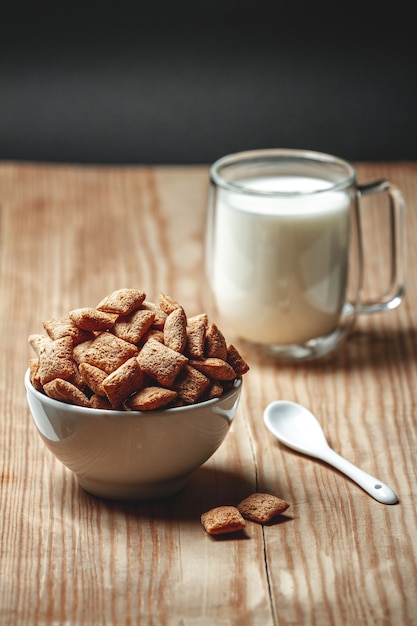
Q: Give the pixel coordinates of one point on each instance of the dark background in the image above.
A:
(186, 82)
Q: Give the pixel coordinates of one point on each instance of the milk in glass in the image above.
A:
(279, 263)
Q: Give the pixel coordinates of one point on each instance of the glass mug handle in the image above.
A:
(396, 286)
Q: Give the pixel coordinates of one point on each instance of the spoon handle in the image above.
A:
(370, 484)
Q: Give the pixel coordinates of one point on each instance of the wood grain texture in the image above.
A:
(68, 236)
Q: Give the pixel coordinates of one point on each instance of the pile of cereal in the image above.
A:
(131, 354)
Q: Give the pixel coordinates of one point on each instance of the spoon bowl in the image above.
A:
(296, 427)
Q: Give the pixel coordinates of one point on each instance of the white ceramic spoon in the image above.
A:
(297, 428)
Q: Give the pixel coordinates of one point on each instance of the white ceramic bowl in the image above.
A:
(134, 455)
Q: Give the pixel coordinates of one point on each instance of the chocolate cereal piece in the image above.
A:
(93, 377)
(160, 362)
(191, 384)
(108, 352)
(152, 333)
(76, 379)
(201, 317)
(214, 368)
(64, 391)
(81, 349)
(196, 335)
(160, 315)
(236, 361)
(91, 319)
(122, 301)
(100, 402)
(215, 343)
(133, 327)
(121, 383)
(150, 398)
(262, 507)
(214, 391)
(38, 342)
(56, 360)
(167, 304)
(222, 519)
(175, 330)
(34, 374)
(58, 327)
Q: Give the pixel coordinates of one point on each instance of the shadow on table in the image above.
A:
(362, 350)
(365, 349)
(206, 488)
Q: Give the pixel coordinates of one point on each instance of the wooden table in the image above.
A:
(70, 235)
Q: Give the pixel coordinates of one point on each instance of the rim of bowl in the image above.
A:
(237, 384)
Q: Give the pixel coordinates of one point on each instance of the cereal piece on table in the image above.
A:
(121, 383)
(222, 519)
(262, 507)
(56, 360)
(175, 330)
(133, 326)
(64, 391)
(191, 384)
(38, 342)
(236, 361)
(93, 377)
(34, 374)
(215, 344)
(160, 362)
(196, 335)
(150, 398)
(90, 319)
(100, 402)
(160, 315)
(167, 304)
(122, 301)
(61, 326)
(214, 368)
(108, 352)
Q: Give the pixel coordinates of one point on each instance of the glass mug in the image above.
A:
(283, 249)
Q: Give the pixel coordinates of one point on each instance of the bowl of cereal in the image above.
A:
(133, 403)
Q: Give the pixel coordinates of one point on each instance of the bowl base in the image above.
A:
(132, 491)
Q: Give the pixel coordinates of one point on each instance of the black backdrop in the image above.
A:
(186, 82)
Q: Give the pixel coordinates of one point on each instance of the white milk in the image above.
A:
(279, 264)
